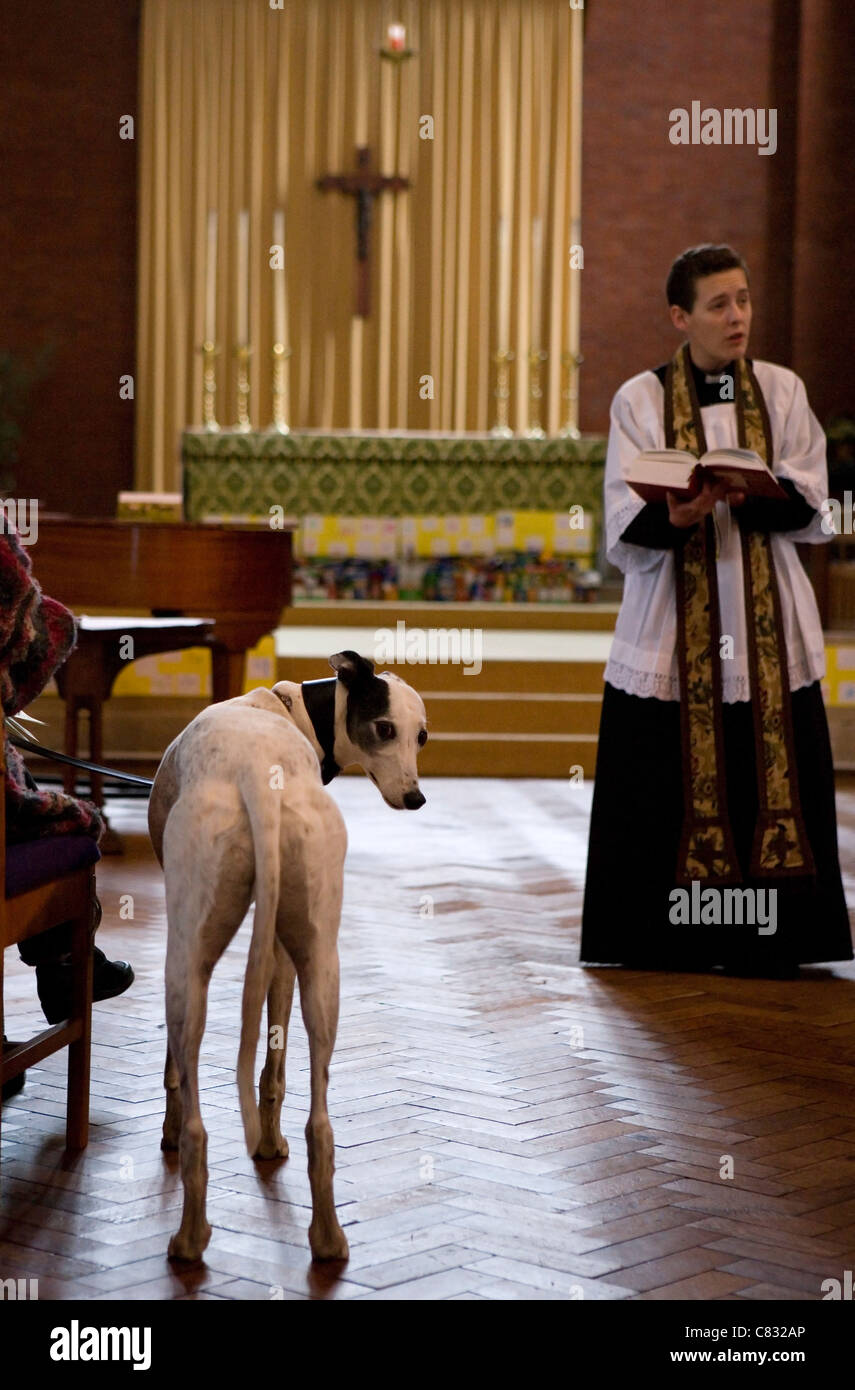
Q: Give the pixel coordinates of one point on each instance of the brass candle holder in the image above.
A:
(281, 353)
(210, 352)
(571, 361)
(242, 353)
(503, 360)
(535, 429)
(397, 55)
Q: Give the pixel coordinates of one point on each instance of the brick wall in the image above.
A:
(68, 71)
(645, 200)
(824, 289)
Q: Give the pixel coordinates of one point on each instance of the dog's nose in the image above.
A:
(413, 800)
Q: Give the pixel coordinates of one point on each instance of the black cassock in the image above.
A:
(636, 820)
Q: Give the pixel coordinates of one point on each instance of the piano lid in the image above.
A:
(173, 566)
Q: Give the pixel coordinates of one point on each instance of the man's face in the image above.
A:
(720, 321)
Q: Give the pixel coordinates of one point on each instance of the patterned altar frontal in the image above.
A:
(231, 475)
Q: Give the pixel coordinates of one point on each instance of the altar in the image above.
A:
(520, 505)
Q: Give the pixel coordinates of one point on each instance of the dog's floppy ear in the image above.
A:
(351, 668)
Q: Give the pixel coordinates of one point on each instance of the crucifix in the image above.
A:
(365, 185)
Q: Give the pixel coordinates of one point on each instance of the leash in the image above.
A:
(319, 703)
(30, 745)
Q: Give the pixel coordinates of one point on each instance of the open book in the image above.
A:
(654, 472)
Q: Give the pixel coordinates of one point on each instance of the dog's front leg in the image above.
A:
(319, 986)
(271, 1087)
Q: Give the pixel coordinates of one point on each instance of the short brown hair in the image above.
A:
(693, 265)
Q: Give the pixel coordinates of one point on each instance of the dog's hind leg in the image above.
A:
(185, 1038)
(207, 894)
(271, 1087)
(319, 985)
(172, 1118)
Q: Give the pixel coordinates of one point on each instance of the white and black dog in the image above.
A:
(238, 809)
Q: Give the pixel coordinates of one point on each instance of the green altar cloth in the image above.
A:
(231, 475)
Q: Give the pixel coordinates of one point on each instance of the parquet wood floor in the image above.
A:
(508, 1124)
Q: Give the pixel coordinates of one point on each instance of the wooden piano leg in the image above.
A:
(69, 774)
(110, 842)
(96, 750)
(227, 673)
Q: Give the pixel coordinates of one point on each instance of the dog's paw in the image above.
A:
(185, 1247)
(332, 1245)
(270, 1147)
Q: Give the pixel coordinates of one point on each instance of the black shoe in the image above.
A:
(16, 1083)
(53, 981)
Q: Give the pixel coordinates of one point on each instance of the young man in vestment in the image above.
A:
(713, 837)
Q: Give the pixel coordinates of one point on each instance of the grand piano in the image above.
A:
(238, 575)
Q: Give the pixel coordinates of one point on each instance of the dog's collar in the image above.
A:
(319, 702)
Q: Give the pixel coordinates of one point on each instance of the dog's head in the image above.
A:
(381, 725)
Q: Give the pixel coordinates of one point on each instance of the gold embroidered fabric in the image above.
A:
(780, 844)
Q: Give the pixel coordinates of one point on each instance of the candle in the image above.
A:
(396, 36)
(573, 325)
(360, 80)
(279, 279)
(536, 281)
(504, 325)
(243, 278)
(506, 198)
(211, 279)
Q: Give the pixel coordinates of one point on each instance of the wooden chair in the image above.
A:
(46, 882)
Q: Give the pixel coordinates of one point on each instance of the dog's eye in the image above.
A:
(385, 730)
(422, 737)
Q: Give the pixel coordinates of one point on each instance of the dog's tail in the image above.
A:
(264, 817)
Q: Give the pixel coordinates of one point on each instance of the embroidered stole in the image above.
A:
(780, 847)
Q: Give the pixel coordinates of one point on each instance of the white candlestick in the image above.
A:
(243, 277)
(536, 282)
(279, 279)
(396, 36)
(504, 325)
(211, 279)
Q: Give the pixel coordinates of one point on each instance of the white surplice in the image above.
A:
(643, 658)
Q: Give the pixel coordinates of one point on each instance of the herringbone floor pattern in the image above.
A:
(508, 1125)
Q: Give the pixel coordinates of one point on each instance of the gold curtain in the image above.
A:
(245, 105)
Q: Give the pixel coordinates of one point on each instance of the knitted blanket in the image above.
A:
(36, 636)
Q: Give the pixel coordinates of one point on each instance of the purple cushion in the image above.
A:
(38, 861)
